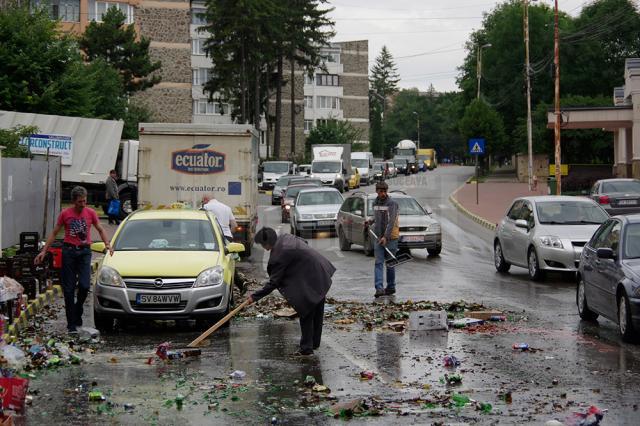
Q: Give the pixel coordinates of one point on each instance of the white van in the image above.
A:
(363, 161)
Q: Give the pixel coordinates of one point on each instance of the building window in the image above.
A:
(308, 101)
(197, 16)
(308, 125)
(333, 58)
(203, 107)
(200, 76)
(102, 7)
(197, 46)
(327, 80)
(308, 80)
(64, 10)
(328, 102)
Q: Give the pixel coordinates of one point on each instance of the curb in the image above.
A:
(480, 220)
(32, 308)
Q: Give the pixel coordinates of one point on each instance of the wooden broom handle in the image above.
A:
(217, 325)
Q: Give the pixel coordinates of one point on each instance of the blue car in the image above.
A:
(609, 275)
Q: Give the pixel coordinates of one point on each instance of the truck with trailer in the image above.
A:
(332, 165)
(179, 163)
(406, 150)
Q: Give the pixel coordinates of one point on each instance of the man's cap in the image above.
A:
(266, 236)
(382, 185)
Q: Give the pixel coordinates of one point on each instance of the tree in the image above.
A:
(116, 43)
(481, 121)
(384, 82)
(334, 132)
(10, 139)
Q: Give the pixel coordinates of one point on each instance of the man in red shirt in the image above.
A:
(76, 254)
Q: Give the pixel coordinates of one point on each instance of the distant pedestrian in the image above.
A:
(76, 253)
(111, 193)
(386, 228)
(223, 213)
(303, 276)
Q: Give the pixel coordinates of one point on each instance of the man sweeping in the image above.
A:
(303, 276)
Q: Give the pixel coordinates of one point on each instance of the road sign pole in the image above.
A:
(477, 181)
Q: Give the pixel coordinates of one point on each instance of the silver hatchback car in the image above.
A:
(546, 233)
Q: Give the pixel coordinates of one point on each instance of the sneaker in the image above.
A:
(389, 291)
(301, 352)
(72, 330)
(379, 292)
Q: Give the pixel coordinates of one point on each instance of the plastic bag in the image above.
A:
(9, 289)
(114, 208)
(14, 356)
(13, 391)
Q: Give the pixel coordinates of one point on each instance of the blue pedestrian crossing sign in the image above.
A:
(476, 146)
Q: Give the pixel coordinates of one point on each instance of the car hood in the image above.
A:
(319, 209)
(632, 268)
(148, 263)
(569, 232)
(416, 220)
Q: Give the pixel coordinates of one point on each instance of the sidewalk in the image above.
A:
(495, 197)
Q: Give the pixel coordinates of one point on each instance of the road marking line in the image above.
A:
(271, 208)
(443, 206)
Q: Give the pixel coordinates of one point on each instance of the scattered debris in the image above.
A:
(285, 313)
(451, 361)
(238, 375)
(592, 417)
(367, 375)
(485, 315)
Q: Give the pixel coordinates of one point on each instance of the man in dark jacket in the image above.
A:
(303, 276)
(111, 193)
(386, 228)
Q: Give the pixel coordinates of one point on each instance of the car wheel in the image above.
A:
(368, 245)
(102, 322)
(581, 300)
(498, 258)
(345, 245)
(435, 251)
(274, 203)
(625, 325)
(535, 273)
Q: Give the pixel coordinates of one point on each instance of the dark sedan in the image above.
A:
(609, 275)
(617, 196)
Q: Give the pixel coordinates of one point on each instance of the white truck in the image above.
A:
(407, 150)
(271, 171)
(89, 148)
(332, 165)
(363, 161)
(180, 163)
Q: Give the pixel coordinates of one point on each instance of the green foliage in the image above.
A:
(481, 121)
(383, 82)
(134, 115)
(334, 132)
(115, 42)
(10, 139)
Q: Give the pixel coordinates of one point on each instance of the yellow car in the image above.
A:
(354, 179)
(167, 264)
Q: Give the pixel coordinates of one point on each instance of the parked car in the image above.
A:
(393, 170)
(167, 264)
(304, 169)
(617, 196)
(284, 181)
(289, 197)
(315, 210)
(418, 230)
(609, 275)
(545, 233)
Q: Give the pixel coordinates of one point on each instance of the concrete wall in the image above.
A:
(540, 167)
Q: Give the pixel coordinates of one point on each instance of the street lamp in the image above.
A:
(418, 123)
(479, 65)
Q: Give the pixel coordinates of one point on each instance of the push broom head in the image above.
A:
(393, 261)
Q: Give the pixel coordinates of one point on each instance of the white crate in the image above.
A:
(428, 320)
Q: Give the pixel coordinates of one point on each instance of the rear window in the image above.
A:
(316, 198)
(167, 235)
(621, 186)
(293, 191)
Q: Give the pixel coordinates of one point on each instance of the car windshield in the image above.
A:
(292, 191)
(570, 213)
(407, 206)
(632, 241)
(283, 181)
(276, 167)
(316, 198)
(378, 166)
(632, 186)
(325, 167)
(362, 163)
(166, 235)
(400, 162)
(423, 157)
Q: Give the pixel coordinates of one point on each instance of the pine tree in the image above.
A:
(384, 83)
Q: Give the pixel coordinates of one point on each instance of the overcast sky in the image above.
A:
(426, 37)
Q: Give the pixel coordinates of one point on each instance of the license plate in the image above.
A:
(413, 238)
(157, 299)
(628, 202)
(325, 222)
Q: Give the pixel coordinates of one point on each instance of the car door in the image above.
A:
(588, 264)
(345, 217)
(358, 221)
(608, 272)
(594, 279)
(520, 236)
(505, 234)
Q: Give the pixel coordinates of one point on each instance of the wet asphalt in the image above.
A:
(577, 364)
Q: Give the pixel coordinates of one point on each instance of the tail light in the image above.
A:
(603, 199)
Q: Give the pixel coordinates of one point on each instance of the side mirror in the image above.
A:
(235, 247)
(605, 253)
(429, 211)
(99, 247)
(521, 223)
(357, 212)
(308, 171)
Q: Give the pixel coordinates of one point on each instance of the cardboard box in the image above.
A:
(483, 315)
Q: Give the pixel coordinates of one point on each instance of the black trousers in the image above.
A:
(311, 328)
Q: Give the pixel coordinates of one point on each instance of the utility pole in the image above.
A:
(479, 65)
(556, 128)
(418, 124)
(528, 80)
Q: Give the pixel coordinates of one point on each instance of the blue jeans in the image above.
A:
(76, 271)
(381, 254)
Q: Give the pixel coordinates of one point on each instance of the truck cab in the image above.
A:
(363, 162)
(332, 165)
(271, 171)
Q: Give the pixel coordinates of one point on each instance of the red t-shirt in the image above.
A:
(77, 227)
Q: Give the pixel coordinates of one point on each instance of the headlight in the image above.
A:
(109, 276)
(338, 176)
(434, 228)
(306, 216)
(210, 277)
(287, 206)
(551, 241)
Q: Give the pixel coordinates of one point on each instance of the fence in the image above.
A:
(24, 206)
